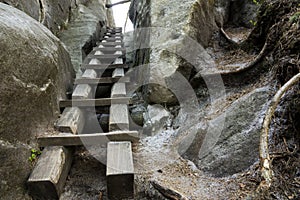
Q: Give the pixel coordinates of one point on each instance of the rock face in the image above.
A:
(172, 37)
(191, 28)
(53, 14)
(156, 119)
(236, 148)
(85, 29)
(35, 73)
(77, 23)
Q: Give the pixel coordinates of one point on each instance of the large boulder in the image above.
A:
(54, 14)
(232, 145)
(30, 7)
(35, 73)
(181, 30)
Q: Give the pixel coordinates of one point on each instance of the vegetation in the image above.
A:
(34, 155)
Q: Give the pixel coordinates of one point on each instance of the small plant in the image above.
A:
(256, 2)
(254, 23)
(295, 17)
(34, 154)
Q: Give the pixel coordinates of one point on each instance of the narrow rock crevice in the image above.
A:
(42, 12)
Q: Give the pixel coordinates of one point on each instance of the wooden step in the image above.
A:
(118, 90)
(112, 56)
(114, 35)
(118, 73)
(93, 102)
(112, 39)
(85, 91)
(109, 50)
(89, 73)
(104, 66)
(111, 44)
(71, 121)
(120, 170)
(114, 31)
(47, 179)
(103, 80)
(119, 117)
(82, 91)
(104, 60)
(68, 139)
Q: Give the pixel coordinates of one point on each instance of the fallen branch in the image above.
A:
(264, 155)
(167, 192)
(114, 4)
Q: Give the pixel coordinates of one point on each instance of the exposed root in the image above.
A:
(167, 192)
(227, 37)
(264, 155)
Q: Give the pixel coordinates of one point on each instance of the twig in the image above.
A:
(114, 4)
(265, 162)
(167, 192)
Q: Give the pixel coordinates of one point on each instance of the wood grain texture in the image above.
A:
(71, 121)
(68, 139)
(120, 170)
(49, 175)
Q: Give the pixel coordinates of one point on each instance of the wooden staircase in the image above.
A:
(48, 178)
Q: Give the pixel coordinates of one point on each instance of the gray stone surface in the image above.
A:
(236, 148)
(243, 12)
(187, 26)
(30, 7)
(169, 26)
(129, 45)
(35, 73)
(84, 30)
(54, 14)
(156, 119)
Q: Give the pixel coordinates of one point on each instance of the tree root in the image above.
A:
(227, 37)
(167, 192)
(265, 161)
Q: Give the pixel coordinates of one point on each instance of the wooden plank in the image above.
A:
(119, 53)
(119, 117)
(108, 49)
(118, 61)
(111, 44)
(120, 170)
(98, 52)
(113, 56)
(104, 66)
(105, 60)
(68, 139)
(118, 90)
(118, 73)
(103, 80)
(114, 35)
(71, 121)
(89, 74)
(114, 31)
(114, 28)
(113, 39)
(49, 175)
(82, 91)
(94, 61)
(93, 102)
